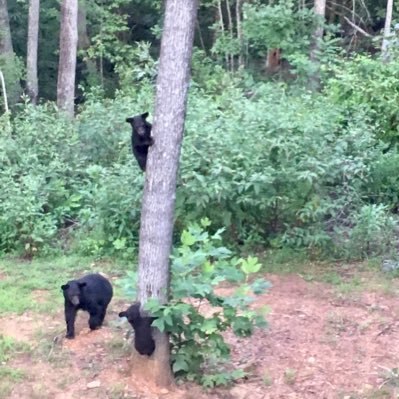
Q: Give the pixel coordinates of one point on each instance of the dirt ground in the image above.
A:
(319, 344)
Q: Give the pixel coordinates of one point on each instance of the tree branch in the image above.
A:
(358, 28)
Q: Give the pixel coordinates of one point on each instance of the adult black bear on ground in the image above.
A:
(143, 341)
(141, 138)
(91, 293)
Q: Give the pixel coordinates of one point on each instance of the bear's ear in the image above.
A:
(81, 285)
(122, 314)
(144, 116)
(64, 287)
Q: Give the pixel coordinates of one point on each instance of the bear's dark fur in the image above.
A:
(91, 293)
(141, 138)
(143, 341)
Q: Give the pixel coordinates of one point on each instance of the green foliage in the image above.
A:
(39, 193)
(280, 167)
(279, 25)
(24, 282)
(13, 70)
(373, 231)
(197, 314)
(9, 348)
(280, 164)
(383, 186)
(364, 82)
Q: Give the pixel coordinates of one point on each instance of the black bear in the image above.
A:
(141, 138)
(91, 293)
(143, 341)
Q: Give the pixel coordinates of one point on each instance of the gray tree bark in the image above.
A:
(387, 31)
(67, 59)
(320, 11)
(7, 56)
(157, 213)
(5, 32)
(32, 85)
(239, 33)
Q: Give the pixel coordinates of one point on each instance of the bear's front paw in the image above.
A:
(70, 335)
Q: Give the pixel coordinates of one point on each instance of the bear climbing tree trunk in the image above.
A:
(157, 212)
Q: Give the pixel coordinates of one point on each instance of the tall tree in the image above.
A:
(7, 56)
(158, 203)
(32, 85)
(320, 11)
(387, 31)
(67, 60)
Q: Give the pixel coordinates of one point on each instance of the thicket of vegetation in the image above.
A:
(275, 163)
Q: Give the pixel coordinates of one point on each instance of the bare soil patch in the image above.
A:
(318, 345)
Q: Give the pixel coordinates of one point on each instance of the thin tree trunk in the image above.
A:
(67, 60)
(387, 32)
(239, 33)
(84, 61)
(32, 85)
(158, 203)
(221, 24)
(7, 56)
(4, 91)
(320, 11)
(201, 39)
(273, 60)
(230, 25)
(83, 37)
(5, 32)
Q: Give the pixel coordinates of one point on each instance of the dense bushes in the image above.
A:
(275, 166)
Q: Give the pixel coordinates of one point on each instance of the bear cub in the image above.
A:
(141, 138)
(91, 293)
(143, 341)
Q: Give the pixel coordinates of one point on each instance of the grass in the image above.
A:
(20, 280)
(290, 376)
(9, 376)
(10, 348)
(345, 278)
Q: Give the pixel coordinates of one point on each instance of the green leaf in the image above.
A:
(180, 364)
(250, 265)
(187, 238)
(160, 324)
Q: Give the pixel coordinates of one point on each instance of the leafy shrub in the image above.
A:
(364, 82)
(373, 232)
(383, 185)
(110, 214)
(38, 179)
(197, 314)
(275, 165)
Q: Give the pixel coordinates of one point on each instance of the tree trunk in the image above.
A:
(83, 37)
(320, 11)
(273, 60)
(32, 85)
(221, 24)
(67, 60)
(239, 34)
(230, 27)
(7, 56)
(387, 32)
(5, 32)
(158, 203)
